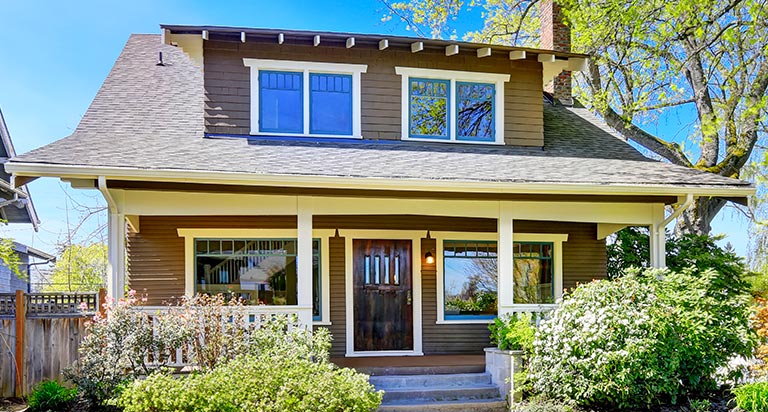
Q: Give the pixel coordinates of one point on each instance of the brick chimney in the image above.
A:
(556, 36)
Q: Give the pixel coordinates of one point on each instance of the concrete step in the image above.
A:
(420, 370)
(477, 405)
(390, 382)
(442, 393)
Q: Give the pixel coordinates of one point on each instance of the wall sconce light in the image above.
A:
(429, 258)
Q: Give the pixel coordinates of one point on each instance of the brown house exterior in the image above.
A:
(348, 179)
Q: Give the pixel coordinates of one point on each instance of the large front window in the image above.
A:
(259, 271)
(534, 278)
(470, 279)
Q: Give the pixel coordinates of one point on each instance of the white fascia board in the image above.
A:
(340, 182)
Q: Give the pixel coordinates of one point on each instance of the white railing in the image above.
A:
(537, 312)
(253, 317)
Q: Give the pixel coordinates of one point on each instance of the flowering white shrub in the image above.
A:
(641, 339)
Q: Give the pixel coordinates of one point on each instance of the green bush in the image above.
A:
(642, 339)
(51, 396)
(255, 383)
(752, 397)
(513, 332)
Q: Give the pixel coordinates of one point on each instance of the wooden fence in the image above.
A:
(39, 336)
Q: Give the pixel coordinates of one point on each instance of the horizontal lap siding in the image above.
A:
(338, 293)
(156, 254)
(227, 85)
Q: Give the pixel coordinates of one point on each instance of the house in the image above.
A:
(28, 256)
(400, 191)
(16, 207)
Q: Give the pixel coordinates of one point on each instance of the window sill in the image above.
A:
(321, 323)
(464, 322)
(423, 139)
(306, 135)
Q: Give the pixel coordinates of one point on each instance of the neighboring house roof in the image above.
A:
(30, 251)
(22, 210)
(147, 120)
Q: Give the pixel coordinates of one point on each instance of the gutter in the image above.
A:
(677, 212)
(102, 184)
(349, 182)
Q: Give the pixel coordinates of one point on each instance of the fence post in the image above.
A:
(102, 303)
(20, 318)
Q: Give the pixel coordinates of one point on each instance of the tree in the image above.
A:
(80, 268)
(651, 58)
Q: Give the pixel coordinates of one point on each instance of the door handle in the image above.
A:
(408, 297)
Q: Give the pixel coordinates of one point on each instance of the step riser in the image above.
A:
(444, 394)
(421, 370)
(427, 381)
(497, 406)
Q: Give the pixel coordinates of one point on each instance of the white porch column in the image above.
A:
(304, 261)
(116, 253)
(506, 264)
(658, 247)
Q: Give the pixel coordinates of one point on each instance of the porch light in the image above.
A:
(429, 258)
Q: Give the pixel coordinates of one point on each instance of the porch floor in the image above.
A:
(414, 365)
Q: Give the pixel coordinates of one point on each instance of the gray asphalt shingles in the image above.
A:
(151, 117)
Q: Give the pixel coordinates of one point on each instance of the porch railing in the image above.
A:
(254, 316)
(537, 312)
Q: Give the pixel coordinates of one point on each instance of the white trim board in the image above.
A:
(306, 67)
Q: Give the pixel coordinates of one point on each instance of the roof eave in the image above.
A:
(737, 193)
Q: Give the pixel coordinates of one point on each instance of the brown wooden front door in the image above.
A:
(383, 295)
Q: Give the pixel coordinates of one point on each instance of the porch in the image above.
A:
(324, 268)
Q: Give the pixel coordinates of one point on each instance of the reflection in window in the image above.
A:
(474, 109)
(534, 280)
(429, 108)
(259, 271)
(470, 281)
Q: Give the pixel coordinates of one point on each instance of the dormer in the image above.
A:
(265, 83)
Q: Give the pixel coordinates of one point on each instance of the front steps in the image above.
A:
(448, 390)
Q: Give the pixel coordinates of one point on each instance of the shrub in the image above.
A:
(263, 383)
(752, 397)
(760, 323)
(50, 396)
(512, 332)
(642, 339)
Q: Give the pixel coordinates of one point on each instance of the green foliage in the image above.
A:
(274, 380)
(630, 249)
(699, 405)
(513, 332)
(642, 339)
(51, 396)
(752, 397)
(80, 268)
(9, 257)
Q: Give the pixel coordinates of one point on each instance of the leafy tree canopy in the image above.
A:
(703, 59)
(80, 268)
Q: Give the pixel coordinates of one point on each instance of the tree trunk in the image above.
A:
(697, 219)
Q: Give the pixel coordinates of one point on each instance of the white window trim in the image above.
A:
(306, 67)
(190, 234)
(557, 256)
(453, 76)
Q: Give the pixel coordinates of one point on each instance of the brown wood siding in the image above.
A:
(156, 254)
(227, 85)
(156, 263)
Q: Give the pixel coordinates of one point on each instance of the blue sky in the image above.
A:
(54, 55)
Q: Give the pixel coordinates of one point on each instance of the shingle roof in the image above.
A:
(151, 117)
(24, 210)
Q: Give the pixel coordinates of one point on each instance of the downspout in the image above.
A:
(111, 204)
(677, 212)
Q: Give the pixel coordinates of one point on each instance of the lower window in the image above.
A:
(259, 271)
(534, 275)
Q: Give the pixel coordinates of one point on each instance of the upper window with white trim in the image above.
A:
(292, 98)
(446, 105)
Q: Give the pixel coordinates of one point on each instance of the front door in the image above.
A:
(383, 295)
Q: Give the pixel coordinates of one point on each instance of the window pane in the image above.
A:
(330, 104)
(280, 102)
(470, 282)
(474, 111)
(429, 108)
(534, 276)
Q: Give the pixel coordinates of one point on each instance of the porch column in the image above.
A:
(304, 261)
(116, 254)
(506, 264)
(657, 237)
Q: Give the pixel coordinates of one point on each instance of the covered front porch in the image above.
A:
(383, 274)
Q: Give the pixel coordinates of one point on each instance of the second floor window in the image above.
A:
(452, 106)
(305, 98)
